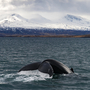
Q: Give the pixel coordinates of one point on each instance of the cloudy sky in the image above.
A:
(51, 9)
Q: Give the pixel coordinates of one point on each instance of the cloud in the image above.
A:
(49, 6)
(46, 5)
(52, 5)
(5, 5)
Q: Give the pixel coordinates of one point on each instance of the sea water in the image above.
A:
(16, 52)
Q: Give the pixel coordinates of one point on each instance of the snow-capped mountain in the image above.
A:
(13, 20)
(39, 19)
(66, 22)
(74, 22)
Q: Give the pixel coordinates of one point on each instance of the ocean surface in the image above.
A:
(16, 52)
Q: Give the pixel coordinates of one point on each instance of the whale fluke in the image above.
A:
(48, 66)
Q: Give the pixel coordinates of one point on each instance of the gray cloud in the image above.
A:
(62, 6)
(48, 5)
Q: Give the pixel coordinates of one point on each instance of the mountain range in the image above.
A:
(68, 24)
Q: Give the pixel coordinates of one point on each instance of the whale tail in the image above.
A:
(48, 66)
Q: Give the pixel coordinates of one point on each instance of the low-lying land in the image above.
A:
(22, 32)
(60, 36)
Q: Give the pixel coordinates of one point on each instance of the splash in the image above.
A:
(23, 76)
(27, 76)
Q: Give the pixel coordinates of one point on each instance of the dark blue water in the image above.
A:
(16, 52)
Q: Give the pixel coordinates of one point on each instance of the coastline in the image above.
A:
(59, 36)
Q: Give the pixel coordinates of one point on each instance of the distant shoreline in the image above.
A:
(60, 36)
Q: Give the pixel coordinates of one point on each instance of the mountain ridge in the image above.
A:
(66, 22)
(66, 25)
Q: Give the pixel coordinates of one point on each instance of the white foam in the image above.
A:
(4, 77)
(27, 76)
(23, 76)
(34, 72)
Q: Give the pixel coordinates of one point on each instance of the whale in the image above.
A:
(48, 66)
